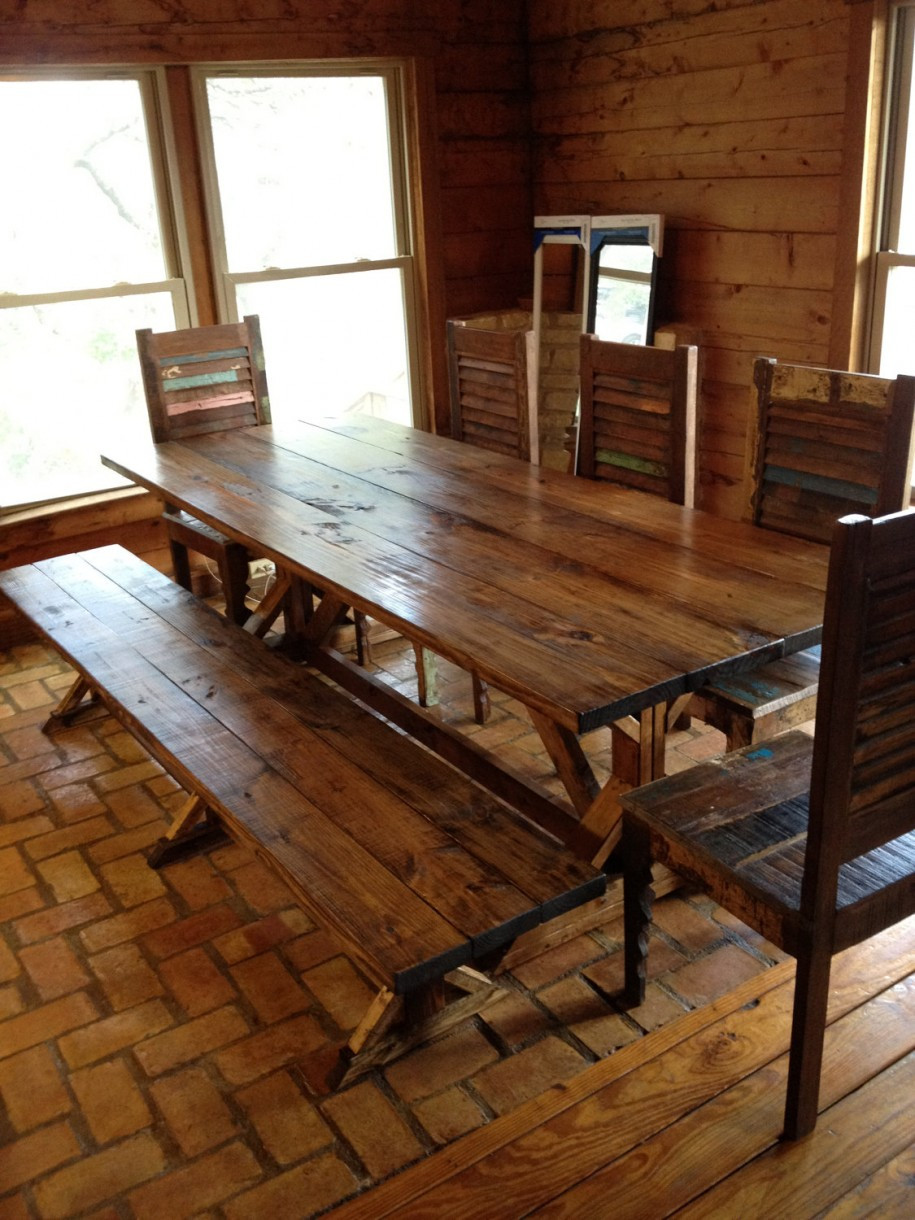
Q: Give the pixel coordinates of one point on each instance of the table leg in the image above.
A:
(570, 761)
(638, 746)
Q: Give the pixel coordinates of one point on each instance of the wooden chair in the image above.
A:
(490, 391)
(810, 842)
(637, 423)
(826, 443)
(637, 427)
(491, 408)
(205, 379)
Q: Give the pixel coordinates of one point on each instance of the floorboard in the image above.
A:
(688, 1121)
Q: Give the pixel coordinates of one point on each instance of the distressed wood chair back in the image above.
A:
(863, 783)
(637, 428)
(828, 443)
(637, 423)
(491, 407)
(490, 391)
(204, 378)
(813, 845)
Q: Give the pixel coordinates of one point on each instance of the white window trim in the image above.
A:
(900, 63)
(153, 96)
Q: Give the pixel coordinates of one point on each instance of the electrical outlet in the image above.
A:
(260, 567)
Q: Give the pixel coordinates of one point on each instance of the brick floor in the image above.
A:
(165, 1036)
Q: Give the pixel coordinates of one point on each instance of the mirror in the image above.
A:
(623, 272)
(591, 273)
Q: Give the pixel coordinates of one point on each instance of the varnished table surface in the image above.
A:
(584, 601)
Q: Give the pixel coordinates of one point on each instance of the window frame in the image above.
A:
(404, 261)
(183, 185)
(898, 113)
(178, 282)
(154, 99)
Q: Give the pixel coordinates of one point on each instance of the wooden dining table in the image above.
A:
(586, 602)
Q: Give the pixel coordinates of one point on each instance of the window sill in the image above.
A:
(74, 504)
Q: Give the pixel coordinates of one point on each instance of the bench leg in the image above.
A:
(193, 829)
(73, 702)
(425, 1016)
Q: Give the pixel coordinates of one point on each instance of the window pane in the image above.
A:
(72, 388)
(80, 210)
(897, 355)
(303, 166)
(621, 313)
(333, 344)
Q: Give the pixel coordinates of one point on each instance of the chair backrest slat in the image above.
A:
(862, 792)
(637, 424)
(204, 378)
(828, 443)
(490, 394)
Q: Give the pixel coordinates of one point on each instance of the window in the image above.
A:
(894, 297)
(305, 189)
(86, 257)
(308, 207)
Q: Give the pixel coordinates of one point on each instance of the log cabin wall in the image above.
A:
(472, 190)
(728, 117)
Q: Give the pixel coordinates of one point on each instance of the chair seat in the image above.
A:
(756, 705)
(810, 841)
(744, 814)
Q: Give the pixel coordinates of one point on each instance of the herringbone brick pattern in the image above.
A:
(165, 1036)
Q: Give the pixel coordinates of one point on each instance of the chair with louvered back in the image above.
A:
(637, 424)
(826, 443)
(490, 408)
(205, 379)
(812, 843)
(490, 392)
(637, 428)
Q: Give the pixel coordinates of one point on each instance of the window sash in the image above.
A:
(227, 279)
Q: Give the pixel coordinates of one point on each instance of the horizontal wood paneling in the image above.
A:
(34, 534)
(704, 37)
(133, 520)
(477, 103)
(728, 119)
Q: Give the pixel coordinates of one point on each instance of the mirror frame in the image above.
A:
(636, 230)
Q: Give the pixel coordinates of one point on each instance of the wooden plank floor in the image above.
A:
(687, 1121)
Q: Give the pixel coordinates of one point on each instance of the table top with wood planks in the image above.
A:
(585, 601)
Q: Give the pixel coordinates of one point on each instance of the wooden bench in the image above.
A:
(421, 872)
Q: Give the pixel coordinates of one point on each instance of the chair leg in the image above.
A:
(181, 564)
(233, 572)
(808, 1029)
(637, 900)
(425, 676)
(481, 704)
(363, 647)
